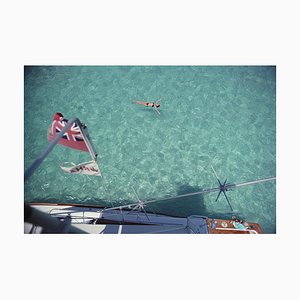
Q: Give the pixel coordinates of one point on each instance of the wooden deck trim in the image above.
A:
(227, 227)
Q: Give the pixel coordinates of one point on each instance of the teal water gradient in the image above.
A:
(224, 116)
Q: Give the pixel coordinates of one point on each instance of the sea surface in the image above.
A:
(220, 116)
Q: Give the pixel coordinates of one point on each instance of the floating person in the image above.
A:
(151, 104)
(155, 105)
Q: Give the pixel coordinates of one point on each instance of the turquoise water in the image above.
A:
(220, 116)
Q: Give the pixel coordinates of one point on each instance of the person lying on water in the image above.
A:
(150, 104)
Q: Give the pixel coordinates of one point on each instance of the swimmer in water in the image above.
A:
(149, 104)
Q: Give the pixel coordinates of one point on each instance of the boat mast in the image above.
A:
(254, 181)
(217, 189)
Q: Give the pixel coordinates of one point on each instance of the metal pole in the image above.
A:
(86, 138)
(254, 182)
(49, 148)
(192, 194)
(163, 199)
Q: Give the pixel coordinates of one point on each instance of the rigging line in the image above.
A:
(168, 198)
(140, 204)
(216, 175)
(253, 182)
(195, 193)
(87, 140)
(48, 149)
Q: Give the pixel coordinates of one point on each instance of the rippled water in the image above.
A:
(220, 116)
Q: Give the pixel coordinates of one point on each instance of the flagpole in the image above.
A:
(49, 148)
(88, 142)
(86, 138)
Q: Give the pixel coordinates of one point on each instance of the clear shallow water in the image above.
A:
(219, 116)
